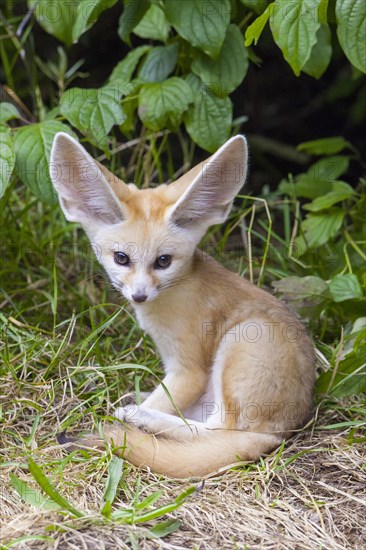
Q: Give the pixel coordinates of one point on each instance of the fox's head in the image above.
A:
(145, 239)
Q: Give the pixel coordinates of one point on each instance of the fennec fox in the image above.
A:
(239, 367)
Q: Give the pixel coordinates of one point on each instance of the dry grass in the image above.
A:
(312, 495)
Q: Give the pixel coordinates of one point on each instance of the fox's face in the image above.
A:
(146, 253)
(145, 239)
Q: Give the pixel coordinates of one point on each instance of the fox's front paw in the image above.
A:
(136, 416)
(127, 414)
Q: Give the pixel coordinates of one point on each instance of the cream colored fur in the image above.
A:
(239, 367)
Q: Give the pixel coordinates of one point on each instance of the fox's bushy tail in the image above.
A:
(197, 457)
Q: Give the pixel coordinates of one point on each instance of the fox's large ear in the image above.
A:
(84, 187)
(207, 200)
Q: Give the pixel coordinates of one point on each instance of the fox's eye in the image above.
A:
(163, 262)
(121, 258)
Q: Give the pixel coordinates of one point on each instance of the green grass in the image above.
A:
(71, 350)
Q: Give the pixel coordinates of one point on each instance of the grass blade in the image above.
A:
(49, 489)
(32, 496)
(115, 471)
(164, 528)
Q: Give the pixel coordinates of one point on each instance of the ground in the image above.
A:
(310, 495)
(70, 350)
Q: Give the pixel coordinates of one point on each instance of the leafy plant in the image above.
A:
(186, 79)
(330, 242)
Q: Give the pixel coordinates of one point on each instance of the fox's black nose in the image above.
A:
(139, 297)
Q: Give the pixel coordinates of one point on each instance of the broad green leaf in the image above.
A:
(329, 168)
(256, 5)
(208, 121)
(307, 295)
(32, 496)
(57, 17)
(115, 469)
(345, 287)
(349, 379)
(321, 53)
(320, 228)
(294, 27)
(32, 149)
(50, 490)
(124, 69)
(7, 157)
(94, 111)
(160, 62)
(132, 14)
(329, 199)
(88, 11)
(224, 74)
(164, 528)
(161, 105)
(325, 146)
(254, 30)
(203, 24)
(320, 179)
(351, 30)
(8, 111)
(154, 25)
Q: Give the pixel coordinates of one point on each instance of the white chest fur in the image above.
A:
(162, 330)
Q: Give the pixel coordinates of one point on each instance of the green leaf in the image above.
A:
(328, 169)
(224, 74)
(208, 121)
(160, 62)
(88, 11)
(256, 5)
(50, 490)
(345, 287)
(329, 199)
(320, 179)
(28, 538)
(351, 30)
(57, 17)
(307, 295)
(149, 500)
(154, 25)
(8, 111)
(32, 151)
(203, 24)
(254, 30)
(94, 111)
(115, 470)
(124, 69)
(7, 158)
(323, 11)
(161, 105)
(325, 146)
(321, 53)
(349, 378)
(164, 528)
(129, 125)
(132, 14)
(294, 27)
(32, 496)
(320, 228)
(168, 508)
